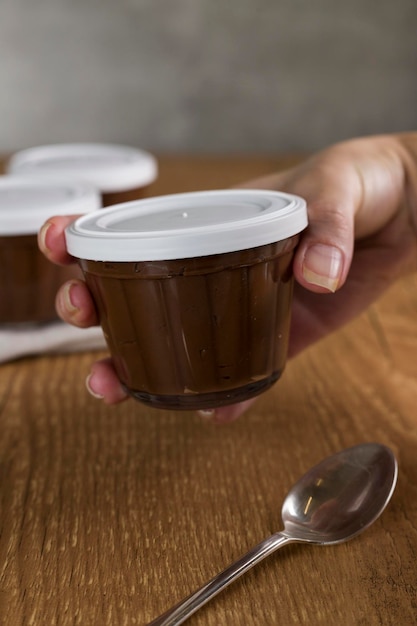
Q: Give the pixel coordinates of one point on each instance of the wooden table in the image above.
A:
(109, 515)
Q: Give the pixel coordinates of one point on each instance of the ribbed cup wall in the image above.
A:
(197, 332)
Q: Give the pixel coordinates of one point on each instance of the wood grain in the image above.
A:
(111, 514)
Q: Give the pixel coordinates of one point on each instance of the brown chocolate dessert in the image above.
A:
(197, 333)
(118, 197)
(188, 329)
(28, 281)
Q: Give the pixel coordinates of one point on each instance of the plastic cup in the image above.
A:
(28, 281)
(194, 292)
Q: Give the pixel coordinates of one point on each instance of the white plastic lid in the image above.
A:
(25, 204)
(110, 167)
(187, 225)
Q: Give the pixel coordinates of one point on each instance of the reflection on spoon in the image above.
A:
(336, 500)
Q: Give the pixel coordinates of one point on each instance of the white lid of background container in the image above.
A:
(26, 203)
(110, 167)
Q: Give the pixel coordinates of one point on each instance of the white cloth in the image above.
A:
(54, 338)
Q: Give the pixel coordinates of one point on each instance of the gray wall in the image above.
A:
(206, 75)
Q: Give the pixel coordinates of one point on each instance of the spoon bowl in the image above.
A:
(341, 496)
(333, 502)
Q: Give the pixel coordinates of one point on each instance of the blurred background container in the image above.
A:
(206, 76)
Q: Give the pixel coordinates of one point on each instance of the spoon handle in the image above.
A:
(182, 611)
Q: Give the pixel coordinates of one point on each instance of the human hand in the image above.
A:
(362, 236)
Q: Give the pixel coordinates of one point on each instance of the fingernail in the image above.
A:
(323, 266)
(69, 292)
(42, 236)
(207, 414)
(89, 383)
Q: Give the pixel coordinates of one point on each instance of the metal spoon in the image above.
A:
(336, 500)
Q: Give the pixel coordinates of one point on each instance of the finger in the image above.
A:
(352, 189)
(332, 190)
(51, 239)
(226, 414)
(104, 384)
(75, 305)
(325, 251)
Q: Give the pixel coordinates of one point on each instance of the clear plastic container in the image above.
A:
(194, 292)
(121, 173)
(28, 281)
